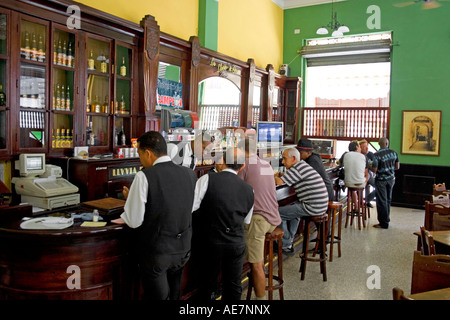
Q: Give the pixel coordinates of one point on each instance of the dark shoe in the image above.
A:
(369, 205)
(288, 251)
(379, 226)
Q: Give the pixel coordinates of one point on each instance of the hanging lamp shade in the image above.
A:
(322, 30)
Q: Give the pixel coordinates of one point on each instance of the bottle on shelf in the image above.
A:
(2, 97)
(63, 138)
(69, 55)
(58, 97)
(27, 46)
(103, 66)
(53, 139)
(123, 68)
(122, 105)
(40, 52)
(33, 47)
(60, 57)
(91, 62)
(105, 107)
(63, 98)
(68, 107)
(55, 52)
(88, 104)
(71, 139)
(121, 137)
(58, 139)
(97, 106)
(63, 54)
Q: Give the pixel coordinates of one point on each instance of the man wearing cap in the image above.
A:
(304, 146)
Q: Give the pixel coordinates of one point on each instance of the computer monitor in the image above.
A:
(269, 133)
(31, 164)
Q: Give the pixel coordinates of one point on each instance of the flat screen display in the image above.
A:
(269, 132)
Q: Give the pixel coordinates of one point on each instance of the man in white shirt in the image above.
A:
(158, 206)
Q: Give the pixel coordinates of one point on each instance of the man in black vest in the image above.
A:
(223, 202)
(159, 206)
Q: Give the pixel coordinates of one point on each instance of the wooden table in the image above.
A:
(441, 241)
(441, 294)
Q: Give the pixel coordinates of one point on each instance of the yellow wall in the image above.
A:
(247, 28)
(251, 29)
(175, 17)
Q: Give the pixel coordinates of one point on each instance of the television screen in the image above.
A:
(34, 163)
(269, 132)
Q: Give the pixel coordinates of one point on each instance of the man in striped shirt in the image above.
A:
(311, 192)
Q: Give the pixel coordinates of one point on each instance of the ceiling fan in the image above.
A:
(427, 4)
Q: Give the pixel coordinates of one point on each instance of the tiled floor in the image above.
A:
(387, 251)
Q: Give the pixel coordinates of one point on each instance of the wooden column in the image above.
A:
(194, 74)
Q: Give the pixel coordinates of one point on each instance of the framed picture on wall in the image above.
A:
(421, 132)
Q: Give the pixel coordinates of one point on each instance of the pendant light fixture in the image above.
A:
(337, 29)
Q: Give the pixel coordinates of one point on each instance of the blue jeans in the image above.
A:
(290, 219)
(383, 191)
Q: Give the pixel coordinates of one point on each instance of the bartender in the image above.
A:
(163, 246)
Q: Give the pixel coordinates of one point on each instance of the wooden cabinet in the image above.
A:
(62, 87)
(291, 110)
(110, 175)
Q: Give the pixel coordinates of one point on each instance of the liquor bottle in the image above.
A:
(63, 98)
(58, 138)
(2, 96)
(59, 53)
(58, 97)
(88, 105)
(71, 139)
(63, 54)
(102, 63)
(68, 107)
(91, 62)
(33, 47)
(121, 137)
(62, 143)
(98, 107)
(69, 55)
(105, 105)
(53, 139)
(40, 53)
(55, 52)
(122, 105)
(123, 68)
(27, 46)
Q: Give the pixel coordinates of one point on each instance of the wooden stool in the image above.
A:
(334, 209)
(277, 236)
(321, 223)
(359, 211)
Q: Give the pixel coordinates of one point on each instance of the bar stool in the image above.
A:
(321, 223)
(359, 211)
(275, 236)
(334, 209)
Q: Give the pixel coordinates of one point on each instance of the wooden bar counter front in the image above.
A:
(76, 263)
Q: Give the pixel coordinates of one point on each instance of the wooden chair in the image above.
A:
(430, 272)
(398, 294)
(437, 217)
(428, 248)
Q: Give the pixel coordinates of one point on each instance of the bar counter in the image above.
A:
(39, 264)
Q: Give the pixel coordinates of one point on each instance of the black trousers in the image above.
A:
(226, 258)
(161, 275)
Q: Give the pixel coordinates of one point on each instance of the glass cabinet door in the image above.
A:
(62, 90)
(4, 98)
(123, 96)
(32, 85)
(98, 92)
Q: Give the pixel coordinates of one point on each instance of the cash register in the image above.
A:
(42, 185)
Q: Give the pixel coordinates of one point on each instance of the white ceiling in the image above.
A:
(289, 4)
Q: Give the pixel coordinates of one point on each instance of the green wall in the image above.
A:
(420, 76)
